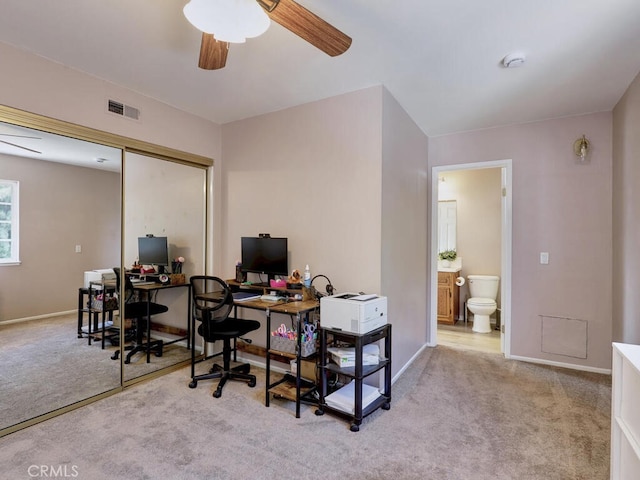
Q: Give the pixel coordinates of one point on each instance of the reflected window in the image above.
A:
(9, 232)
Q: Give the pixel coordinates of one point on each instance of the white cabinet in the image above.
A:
(625, 414)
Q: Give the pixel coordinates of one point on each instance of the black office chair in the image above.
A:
(212, 303)
(139, 311)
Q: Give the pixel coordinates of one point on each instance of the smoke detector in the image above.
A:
(513, 60)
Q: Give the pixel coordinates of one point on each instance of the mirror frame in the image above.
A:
(125, 144)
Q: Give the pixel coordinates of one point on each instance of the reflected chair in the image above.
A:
(140, 312)
(212, 303)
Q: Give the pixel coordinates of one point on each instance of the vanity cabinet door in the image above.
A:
(447, 298)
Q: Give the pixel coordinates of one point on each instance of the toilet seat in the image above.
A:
(481, 302)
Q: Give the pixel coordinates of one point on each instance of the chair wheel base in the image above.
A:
(252, 383)
(193, 384)
(217, 394)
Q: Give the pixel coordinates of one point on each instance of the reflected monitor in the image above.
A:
(153, 251)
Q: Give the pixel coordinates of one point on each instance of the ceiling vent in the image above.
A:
(123, 110)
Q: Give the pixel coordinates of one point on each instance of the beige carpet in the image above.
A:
(455, 414)
(45, 366)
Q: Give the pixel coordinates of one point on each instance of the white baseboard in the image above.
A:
(409, 362)
(37, 317)
(573, 366)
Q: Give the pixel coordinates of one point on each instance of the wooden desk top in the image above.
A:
(159, 286)
(283, 306)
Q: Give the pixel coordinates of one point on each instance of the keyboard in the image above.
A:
(270, 298)
(138, 283)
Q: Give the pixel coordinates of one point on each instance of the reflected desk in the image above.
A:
(147, 291)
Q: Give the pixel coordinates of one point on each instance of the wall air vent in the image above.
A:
(123, 110)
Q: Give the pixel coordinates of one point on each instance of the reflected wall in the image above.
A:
(165, 199)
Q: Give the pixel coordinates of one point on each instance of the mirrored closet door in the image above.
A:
(164, 234)
(62, 214)
(75, 211)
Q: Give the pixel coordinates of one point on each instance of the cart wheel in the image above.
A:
(158, 354)
(319, 412)
(193, 384)
(252, 383)
(386, 406)
(355, 428)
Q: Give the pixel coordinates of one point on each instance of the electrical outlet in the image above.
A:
(78, 248)
(544, 258)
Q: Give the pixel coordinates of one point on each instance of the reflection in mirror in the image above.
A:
(165, 200)
(447, 218)
(67, 201)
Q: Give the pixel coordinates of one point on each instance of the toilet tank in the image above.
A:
(483, 286)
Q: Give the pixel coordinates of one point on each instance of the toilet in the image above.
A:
(483, 290)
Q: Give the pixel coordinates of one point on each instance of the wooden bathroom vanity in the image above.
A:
(448, 297)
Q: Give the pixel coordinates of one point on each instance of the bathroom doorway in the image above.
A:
(481, 192)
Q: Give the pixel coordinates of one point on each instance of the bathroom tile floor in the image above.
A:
(461, 336)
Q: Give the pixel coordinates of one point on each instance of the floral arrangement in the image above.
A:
(176, 265)
(448, 255)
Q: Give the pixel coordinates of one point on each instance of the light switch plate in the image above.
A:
(544, 258)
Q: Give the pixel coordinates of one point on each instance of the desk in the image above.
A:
(148, 290)
(298, 308)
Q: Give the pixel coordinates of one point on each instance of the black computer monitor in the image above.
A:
(153, 251)
(265, 255)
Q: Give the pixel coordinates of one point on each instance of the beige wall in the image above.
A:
(312, 174)
(52, 222)
(53, 90)
(319, 175)
(404, 229)
(561, 207)
(626, 216)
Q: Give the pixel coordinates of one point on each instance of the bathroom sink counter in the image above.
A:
(449, 269)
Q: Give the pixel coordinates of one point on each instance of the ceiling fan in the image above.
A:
(19, 146)
(291, 15)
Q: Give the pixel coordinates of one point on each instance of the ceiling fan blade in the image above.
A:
(307, 25)
(213, 53)
(18, 146)
(20, 136)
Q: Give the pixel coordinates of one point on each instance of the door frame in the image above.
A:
(506, 167)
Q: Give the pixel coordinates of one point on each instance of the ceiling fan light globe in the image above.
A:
(228, 20)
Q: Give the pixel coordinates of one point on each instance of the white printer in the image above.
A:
(353, 312)
(101, 275)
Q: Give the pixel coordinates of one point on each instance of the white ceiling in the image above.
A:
(441, 59)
